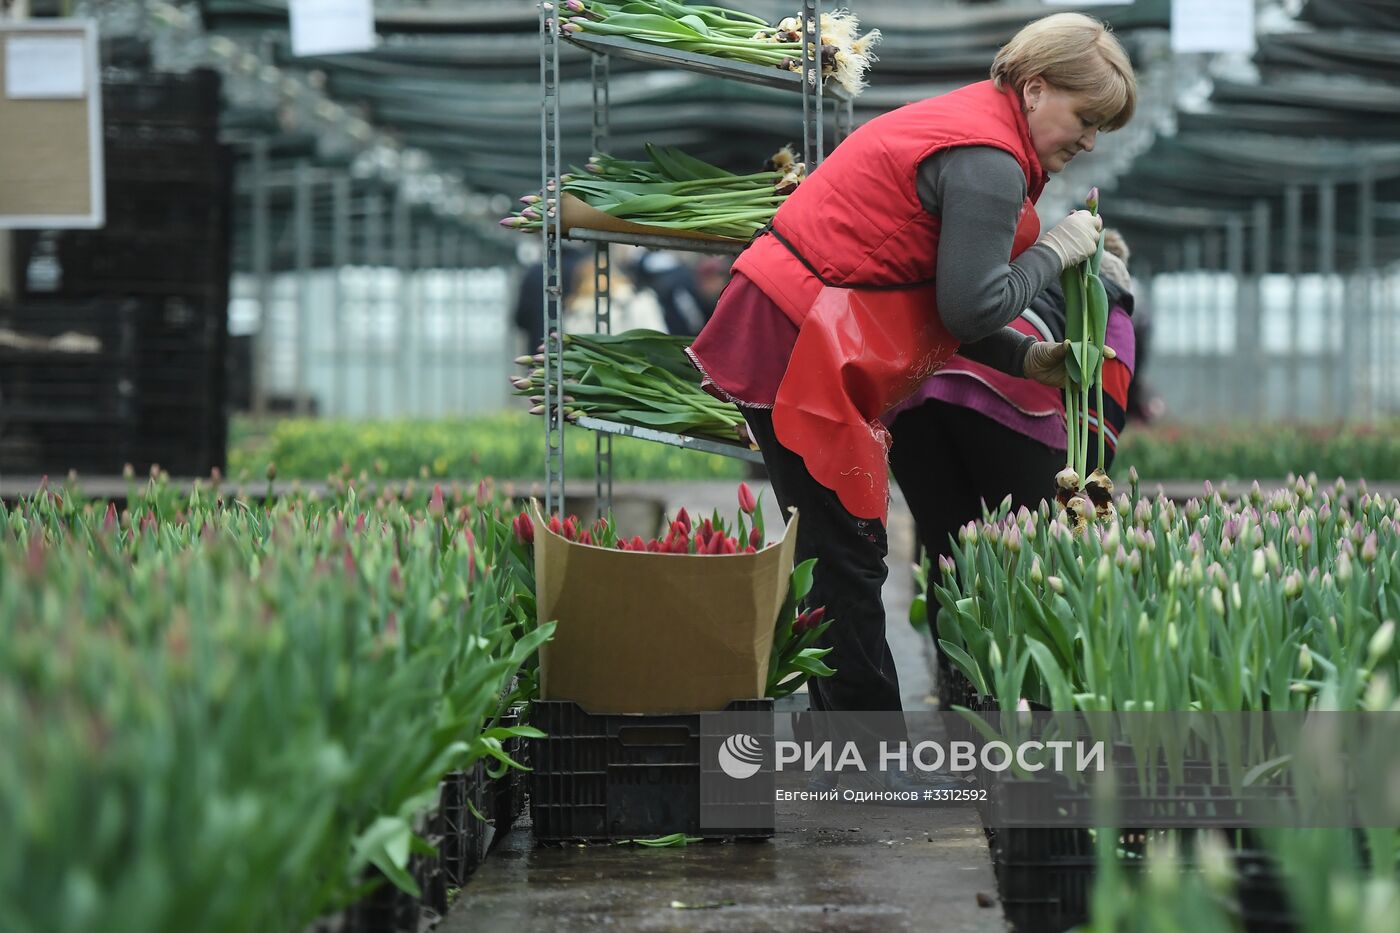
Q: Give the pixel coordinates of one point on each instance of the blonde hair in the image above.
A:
(1076, 53)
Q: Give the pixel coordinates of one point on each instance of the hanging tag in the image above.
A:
(332, 27)
(1212, 26)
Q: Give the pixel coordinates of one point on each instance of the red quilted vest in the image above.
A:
(857, 218)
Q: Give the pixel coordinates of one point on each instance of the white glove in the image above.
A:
(1075, 238)
(1045, 362)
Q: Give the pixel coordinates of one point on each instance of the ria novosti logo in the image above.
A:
(741, 756)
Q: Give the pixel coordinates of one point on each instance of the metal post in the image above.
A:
(304, 241)
(340, 261)
(1235, 259)
(602, 290)
(1254, 348)
(1213, 247)
(429, 318)
(1191, 286)
(452, 327)
(374, 257)
(1293, 263)
(1332, 386)
(813, 141)
(1365, 268)
(403, 263)
(262, 269)
(468, 260)
(552, 235)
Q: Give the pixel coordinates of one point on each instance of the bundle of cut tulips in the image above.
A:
(1086, 329)
(673, 191)
(639, 377)
(795, 655)
(846, 56)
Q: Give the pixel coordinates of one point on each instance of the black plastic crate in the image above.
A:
(204, 169)
(189, 98)
(1046, 877)
(608, 777)
(465, 836)
(507, 793)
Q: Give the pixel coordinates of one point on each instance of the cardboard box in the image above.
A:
(657, 633)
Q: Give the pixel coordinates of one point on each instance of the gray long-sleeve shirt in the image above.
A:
(977, 192)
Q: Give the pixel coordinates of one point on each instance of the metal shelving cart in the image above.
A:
(601, 49)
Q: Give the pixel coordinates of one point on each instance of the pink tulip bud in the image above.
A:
(1092, 201)
(435, 503)
(638, 544)
(1368, 549)
(109, 521)
(747, 503)
(755, 539)
(683, 520)
(360, 523)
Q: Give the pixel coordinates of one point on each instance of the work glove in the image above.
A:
(1075, 238)
(1045, 362)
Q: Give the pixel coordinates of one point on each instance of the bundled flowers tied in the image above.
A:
(846, 56)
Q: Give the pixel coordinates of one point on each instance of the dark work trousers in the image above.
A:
(849, 573)
(949, 462)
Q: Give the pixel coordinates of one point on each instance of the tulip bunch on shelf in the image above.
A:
(672, 191)
(846, 55)
(638, 377)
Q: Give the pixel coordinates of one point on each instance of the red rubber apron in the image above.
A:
(860, 352)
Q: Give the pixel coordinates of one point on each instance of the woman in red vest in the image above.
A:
(916, 239)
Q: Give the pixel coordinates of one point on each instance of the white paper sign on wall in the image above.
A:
(332, 27)
(1212, 26)
(45, 68)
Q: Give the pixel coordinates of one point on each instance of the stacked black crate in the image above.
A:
(67, 385)
(166, 247)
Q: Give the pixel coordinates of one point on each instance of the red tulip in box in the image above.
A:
(641, 631)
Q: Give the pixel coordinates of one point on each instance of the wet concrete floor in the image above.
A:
(834, 867)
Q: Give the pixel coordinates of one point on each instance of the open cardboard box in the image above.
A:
(657, 633)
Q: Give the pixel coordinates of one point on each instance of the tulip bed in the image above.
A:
(219, 716)
(1254, 451)
(1274, 602)
(508, 445)
(222, 716)
(1267, 603)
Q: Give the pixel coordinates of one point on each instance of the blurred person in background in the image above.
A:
(630, 307)
(673, 283)
(711, 275)
(979, 435)
(529, 299)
